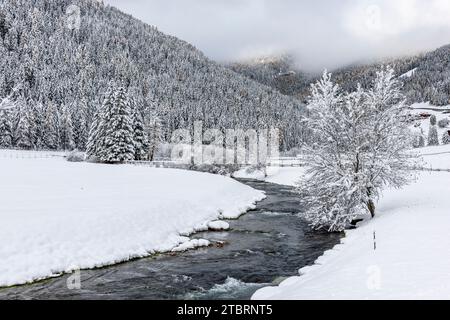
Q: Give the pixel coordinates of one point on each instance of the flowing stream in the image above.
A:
(262, 248)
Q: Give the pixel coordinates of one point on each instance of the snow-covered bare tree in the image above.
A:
(361, 143)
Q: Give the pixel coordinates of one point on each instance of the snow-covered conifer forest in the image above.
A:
(64, 74)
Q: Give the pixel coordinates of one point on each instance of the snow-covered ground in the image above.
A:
(435, 158)
(279, 175)
(409, 74)
(411, 259)
(57, 216)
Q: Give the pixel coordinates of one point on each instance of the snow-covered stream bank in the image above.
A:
(411, 260)
(57, 216)
(260, 248)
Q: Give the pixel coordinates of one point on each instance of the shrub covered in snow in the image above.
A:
(224, 170)
(76, 156)
(444, 123)
(292, 152)
(433, 120)
(419, 141)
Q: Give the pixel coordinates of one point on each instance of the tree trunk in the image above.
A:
(371, 207)
(370, 203)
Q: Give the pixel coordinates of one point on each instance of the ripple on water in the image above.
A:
(232, 288)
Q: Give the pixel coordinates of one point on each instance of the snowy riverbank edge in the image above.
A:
(58, 217)
(398, 255)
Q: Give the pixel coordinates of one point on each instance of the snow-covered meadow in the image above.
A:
(57, 216)
(411, 259)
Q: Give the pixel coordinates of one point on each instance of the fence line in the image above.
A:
(30, 154)
(45, 154)
(281, 162)
(431, 169)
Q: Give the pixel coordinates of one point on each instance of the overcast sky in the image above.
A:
(321, 34)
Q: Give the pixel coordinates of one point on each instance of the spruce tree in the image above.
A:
(66, 133)
(25, 137)
(80, 128)
(115, 141)
(446, 137)
(155, 134)
(141, 144)
(51, 125)
(6, 135)
(433, 139)
(94, 131)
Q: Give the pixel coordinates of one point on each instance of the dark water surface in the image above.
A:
(261, 248)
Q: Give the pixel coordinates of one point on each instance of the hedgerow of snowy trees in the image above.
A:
(64, 75)
(361, 143)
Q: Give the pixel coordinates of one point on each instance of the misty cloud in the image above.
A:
(320, 34)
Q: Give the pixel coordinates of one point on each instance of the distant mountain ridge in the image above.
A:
(430, 81)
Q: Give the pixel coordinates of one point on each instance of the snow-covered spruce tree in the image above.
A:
(446, 137)
(115, 132)
(51, 125)
(25, 134)
(443, 123)
(80, 128)
(433, 138)
(66, 132)
(6, 130)
(361, 143)
(94, 132)
(139, 134)
(154, 133)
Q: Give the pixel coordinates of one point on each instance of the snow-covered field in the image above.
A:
(411, 259)
(57, 216)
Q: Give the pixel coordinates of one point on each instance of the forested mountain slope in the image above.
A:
(280, 73)
(61, 73)
(426, 76)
